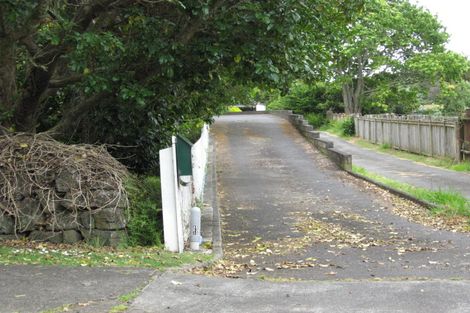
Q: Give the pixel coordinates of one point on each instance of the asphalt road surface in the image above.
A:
(302, 236)
(403, 170)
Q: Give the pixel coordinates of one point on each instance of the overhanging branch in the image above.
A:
(65, 81)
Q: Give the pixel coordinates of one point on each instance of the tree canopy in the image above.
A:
(132, 72)
(381, 40)
(129, 72)
(390, 57)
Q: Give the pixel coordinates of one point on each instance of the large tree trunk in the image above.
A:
(354, 89)
(27, 110)
(348, 99)
(7, 76)
(352, 94)
(72, 117)
(359, 88)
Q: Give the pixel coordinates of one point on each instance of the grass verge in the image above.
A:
(27, 252)
(448, 203)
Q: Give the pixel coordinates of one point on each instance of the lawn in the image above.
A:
(41, 253)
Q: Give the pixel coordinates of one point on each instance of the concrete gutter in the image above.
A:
(394, 191)
(211, 230)
(343, 160)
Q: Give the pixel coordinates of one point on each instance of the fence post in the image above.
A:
(172, 219)
(399, 137)
(408, 129)
(375, 128)
(459, 134)
(383, 133)
(419, 136)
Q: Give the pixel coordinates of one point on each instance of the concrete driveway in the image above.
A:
(402, 170)
(302, 236)
(56, 289)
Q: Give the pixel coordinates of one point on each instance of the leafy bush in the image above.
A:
(386, 97)
(192, 130)
(341, 128)
(347, 127)
(278, 103)
(455, 97)
(145, 225)
(429, 109)
(316, 120)
(308, 98)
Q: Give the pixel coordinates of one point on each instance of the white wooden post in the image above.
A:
(172, 219)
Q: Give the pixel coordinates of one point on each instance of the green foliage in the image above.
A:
(446, 66)
(448, 203)
(233, 109)
(455, 98)
(192, 130)
(128, 297)
(119, 308)
(385, 146)
(380, 40)
(342, 128)
(316, 120)
(82, 255)
(309, 98)
(278, 103)
(429, 109)
(145, 226)
(104, 76)
(108, 78)
(388, 95)
(347, 127)
(461, 167)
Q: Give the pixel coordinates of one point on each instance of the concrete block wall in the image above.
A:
(343, 160)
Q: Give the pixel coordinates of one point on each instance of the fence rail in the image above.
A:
(432, 136)
(339, 116)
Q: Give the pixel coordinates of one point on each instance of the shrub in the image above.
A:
(145, 225)
(278, 103)
(342, 128)
(455, 97)
(305, 98)
(316, 120)
(347, 127)
(191, 129)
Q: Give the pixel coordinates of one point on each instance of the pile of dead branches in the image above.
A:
(39, 173)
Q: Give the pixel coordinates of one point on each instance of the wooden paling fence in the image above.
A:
(339, 116)
(432, 136)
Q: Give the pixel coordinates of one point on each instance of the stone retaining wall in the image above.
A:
(84, 200)
(101, 220)
(343, 160)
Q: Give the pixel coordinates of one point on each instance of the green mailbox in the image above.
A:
(183, 156)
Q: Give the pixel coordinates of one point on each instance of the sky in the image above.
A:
(454, 15)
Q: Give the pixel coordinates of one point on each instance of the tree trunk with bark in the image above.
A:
(7, 75)
(27, 110)
(353, 91)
